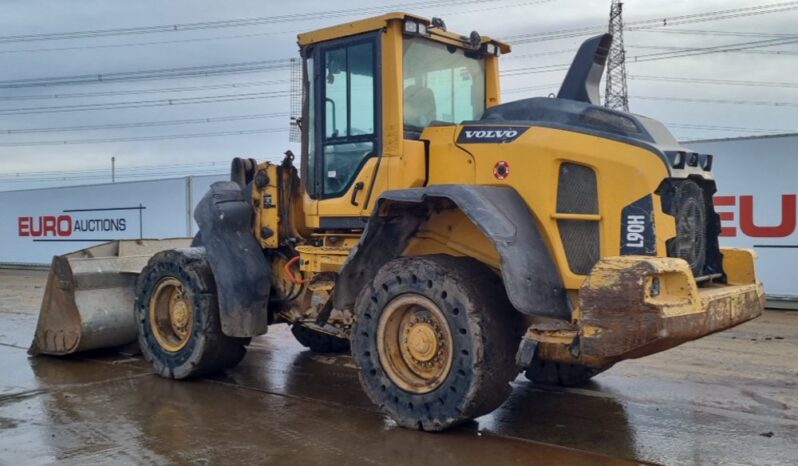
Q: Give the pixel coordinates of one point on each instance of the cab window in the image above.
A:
(441, 83)
(348, 109)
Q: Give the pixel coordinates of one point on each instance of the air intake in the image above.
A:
(577, 195)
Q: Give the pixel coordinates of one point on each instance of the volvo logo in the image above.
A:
(502, 133)
(482, 134)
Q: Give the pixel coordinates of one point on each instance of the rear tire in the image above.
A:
(449, 337)
(561, 374)
(319, 342)
(178, 317)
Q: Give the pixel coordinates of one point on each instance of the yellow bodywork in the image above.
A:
(403, 162)
(266, 200)
(608, 308)
(633, 306)
(627, 306)
(625, 172)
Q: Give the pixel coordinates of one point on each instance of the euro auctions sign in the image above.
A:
(738, 215)
(99, 224)
(37, 224)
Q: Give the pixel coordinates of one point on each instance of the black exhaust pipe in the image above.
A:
(584, 76)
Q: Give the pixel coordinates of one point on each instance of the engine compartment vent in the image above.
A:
(577, 193)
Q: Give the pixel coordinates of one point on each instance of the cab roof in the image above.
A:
(379, 22)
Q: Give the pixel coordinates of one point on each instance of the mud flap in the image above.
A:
(530, 276)
(240, 269)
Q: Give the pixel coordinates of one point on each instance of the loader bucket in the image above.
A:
(89, 297)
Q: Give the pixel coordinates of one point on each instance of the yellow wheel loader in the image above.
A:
(452, 240)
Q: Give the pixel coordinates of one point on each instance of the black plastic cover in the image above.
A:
(569, 114)
(583, 78)
(242, 274)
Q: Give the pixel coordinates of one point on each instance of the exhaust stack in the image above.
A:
(583, 78)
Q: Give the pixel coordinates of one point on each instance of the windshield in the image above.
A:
(440, 84)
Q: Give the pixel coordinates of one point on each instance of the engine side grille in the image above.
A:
(577, 193)
(580, 239)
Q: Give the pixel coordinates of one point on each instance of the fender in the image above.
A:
(530, 276)
(241, 271)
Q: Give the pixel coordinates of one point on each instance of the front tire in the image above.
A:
(434, 340)
(178, 317)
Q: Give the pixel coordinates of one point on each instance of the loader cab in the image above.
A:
(370, 88)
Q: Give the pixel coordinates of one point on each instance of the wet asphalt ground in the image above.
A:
(728, 399)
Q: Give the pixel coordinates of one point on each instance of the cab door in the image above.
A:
(344, 129)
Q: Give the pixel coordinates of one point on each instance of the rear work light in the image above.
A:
(415, 27)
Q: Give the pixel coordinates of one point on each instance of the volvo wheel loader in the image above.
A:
(452, 240)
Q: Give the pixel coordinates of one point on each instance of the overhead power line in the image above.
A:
(683, 49)
(704, 32)
(679, 53)
(148, 43)
(718, 15)
(697, 100)
(144, 124)
(691, 52)
(459, 11)
(145, 103)
(540, 87)
(122, 169)
(727, 82)
(165, 73)
(656, 22)
(232, 23)
(82, 95)
(735, 129)
(279, 64)
(131, 172)
(143, 138)
(102, 177)
(570, 51)
(535, 69)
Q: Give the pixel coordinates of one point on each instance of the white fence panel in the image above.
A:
(757, 186)
(38, 224)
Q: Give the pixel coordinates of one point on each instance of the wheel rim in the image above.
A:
(414, 343)
(171, 314)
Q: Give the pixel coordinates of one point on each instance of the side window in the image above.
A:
(335, 88)
(308, 170)
(349, 135)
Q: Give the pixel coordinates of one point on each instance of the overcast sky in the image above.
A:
(751, 112)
